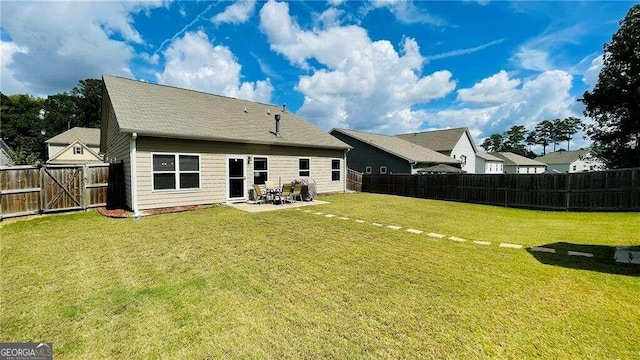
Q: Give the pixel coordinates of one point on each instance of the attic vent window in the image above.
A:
(77, 150)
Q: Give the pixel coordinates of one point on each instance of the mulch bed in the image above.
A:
(122, 213)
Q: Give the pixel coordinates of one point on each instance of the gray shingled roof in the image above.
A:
(88, 136)
(438, 140)
(515, 159)
(488, 157)
(398, 147)
(165, 111)
(562, 157)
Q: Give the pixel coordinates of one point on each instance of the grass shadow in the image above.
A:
(602, 260)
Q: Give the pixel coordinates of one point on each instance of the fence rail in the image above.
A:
(354, 180)
(27, 190)
(612, 190)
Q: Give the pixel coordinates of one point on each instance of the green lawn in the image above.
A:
(222, 283)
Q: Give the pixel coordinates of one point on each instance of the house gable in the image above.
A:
(68, 155)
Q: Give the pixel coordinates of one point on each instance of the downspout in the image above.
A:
(134, 175)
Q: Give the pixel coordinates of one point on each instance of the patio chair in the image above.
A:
(287, 189)
(297, 192)
(260, 195)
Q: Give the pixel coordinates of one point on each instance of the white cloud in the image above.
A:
(525, 102)
(494, 89)
(237, 13)
(459, 52)
(336, 2)
(8, 84)
(363, 84)
(405, 11)
(192, 62)
(535, 54)
(593, 72)
(69, 41)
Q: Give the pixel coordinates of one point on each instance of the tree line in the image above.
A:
(546, 133)
(28, 121)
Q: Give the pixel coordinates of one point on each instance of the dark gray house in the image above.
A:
(382, 154)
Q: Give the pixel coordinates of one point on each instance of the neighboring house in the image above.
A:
(572, 161)
(488, 164)
(456, 143)
(382, 154)
(5, 154)
(516, 164)
(181, 147)
(75, 146)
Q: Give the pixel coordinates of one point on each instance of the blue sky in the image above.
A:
(384, 66)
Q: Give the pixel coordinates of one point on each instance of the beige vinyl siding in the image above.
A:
(282, 166)
(68, 157)
(118, 146)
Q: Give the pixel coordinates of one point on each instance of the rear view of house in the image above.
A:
(572, 161)
(181, 147)
(78, 145)
(517, 164)
(382, 154)
(456, 143)
(488, 164)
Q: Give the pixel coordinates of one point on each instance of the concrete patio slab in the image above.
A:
(436, 235)
(255, 208)
(480, 242)
(457, 239)
(543, 249)
(510, 246)
(627, 255)
(578, 253)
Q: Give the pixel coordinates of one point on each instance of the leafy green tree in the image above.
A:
(493, 143)
(88, 99)
(22, 126)
(614, 103)
(531, 139)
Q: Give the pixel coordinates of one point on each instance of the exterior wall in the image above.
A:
(117, 145)
(488, 167)
(464, 148)
(531, 169)
(4, 159)
(68, 157)
(53, 149)
(587, 165)
(363, 155)
(282, 167)
(563, 168)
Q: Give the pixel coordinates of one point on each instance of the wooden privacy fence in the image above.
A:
(354, 180)
(612, 190)
(26, 190)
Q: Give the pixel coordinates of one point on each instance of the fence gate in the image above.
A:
(62, 188)
(354, 180)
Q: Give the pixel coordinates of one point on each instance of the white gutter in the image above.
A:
(134, 175)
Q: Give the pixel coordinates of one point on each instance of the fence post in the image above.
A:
(568, 200)
(43, 191)
(83, 188)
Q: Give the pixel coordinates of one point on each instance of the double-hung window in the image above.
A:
(176, 171)
(304, 167)
(260, 170)
(335, 170)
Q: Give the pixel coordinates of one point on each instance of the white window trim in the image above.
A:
(368, 170)
(79, 148)
(253, 159)
(309, 170)
(338, 170)
(177, 173)
(385, 169)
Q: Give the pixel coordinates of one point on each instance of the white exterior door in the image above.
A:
(236, 178)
